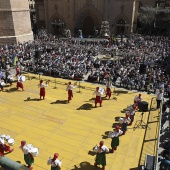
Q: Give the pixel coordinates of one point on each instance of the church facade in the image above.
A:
(87, 15)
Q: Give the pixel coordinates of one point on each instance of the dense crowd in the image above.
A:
(76, 59)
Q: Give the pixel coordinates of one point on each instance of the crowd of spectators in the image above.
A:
(78, 58)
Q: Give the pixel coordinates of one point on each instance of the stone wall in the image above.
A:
(15, 22)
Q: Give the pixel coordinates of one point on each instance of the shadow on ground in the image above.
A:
(29, 99)
(85, 166)
(60, 102)
(105, 136)
(86, 106)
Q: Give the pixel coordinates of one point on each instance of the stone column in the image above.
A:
(15, 24)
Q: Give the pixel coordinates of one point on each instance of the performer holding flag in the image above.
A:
(42, 89)
(101, 151)
(54, 162)
(69, 89)
(115, 138)
(98, 97)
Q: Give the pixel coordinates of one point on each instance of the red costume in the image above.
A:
(17, 71)
(137, 99)
(42, 89)
(108, 89)
(4, 147)
(19, 83)
(70, 92)
(98, 97)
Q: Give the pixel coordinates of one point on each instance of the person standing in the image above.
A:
(42, 89)
(70, 92)
(125, 123)
(159, 98)
(115, 138)
(132, 114)
(19, 82)
(108, 89)
(98, 98)
(4, 147)
(54, 162)
(101, 151)
(28, 158)
(137, 99)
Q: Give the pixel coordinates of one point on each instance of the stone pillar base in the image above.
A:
(16, 39)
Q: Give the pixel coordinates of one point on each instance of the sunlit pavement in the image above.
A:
(71, 130)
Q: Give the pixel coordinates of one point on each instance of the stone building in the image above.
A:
(15, 23)
(87, 15)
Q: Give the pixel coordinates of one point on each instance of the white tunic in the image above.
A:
(115, 133)
(70, 87)
(42, 85)
(125, 120)
(159, 96)
(137, 99)
(54, 163)
(26, 149)
(103, 149)
(97, 93)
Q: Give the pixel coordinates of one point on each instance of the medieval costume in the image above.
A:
(29, 159)
(98, 98)
(101, 151)
(115, 138)
(137, 99)
(54, 162)
(4, 147)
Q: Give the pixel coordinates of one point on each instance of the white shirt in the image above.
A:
(159, 96)
(108, 85)
(136, 99)
(115, 133)
(70, 87)
(97, 93)
(26, 150)
(54, 163)
(125, 120)
(42, 85)
(103, 149)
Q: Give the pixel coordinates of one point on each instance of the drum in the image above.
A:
(3, 136)
(34, 152)
(101, 90)
(11, 141)
(30, 146)
(10, 77)
(3, 84)
(7, 137)
(23, 78)
(120, 120)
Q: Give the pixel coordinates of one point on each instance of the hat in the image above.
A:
(139, 94)
(69, 83)
(55, 156)
(97, 88)
(127, 115)
(117, 127)
(23, 143)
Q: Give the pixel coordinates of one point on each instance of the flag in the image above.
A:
(14, 59)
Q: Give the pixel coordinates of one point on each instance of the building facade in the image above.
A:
(15, 23)
(87, 15)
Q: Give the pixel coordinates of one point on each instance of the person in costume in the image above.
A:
(42, 89)
(101, 151)
(19, 82)
(4, 148)
(115, 138)
(137, 99)
(54, 162)
(18, 71)
(69, 88)
(108, 89)
(28, 158)
(132, 114)
(125, 123)
(98, 98)
(2, 84)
